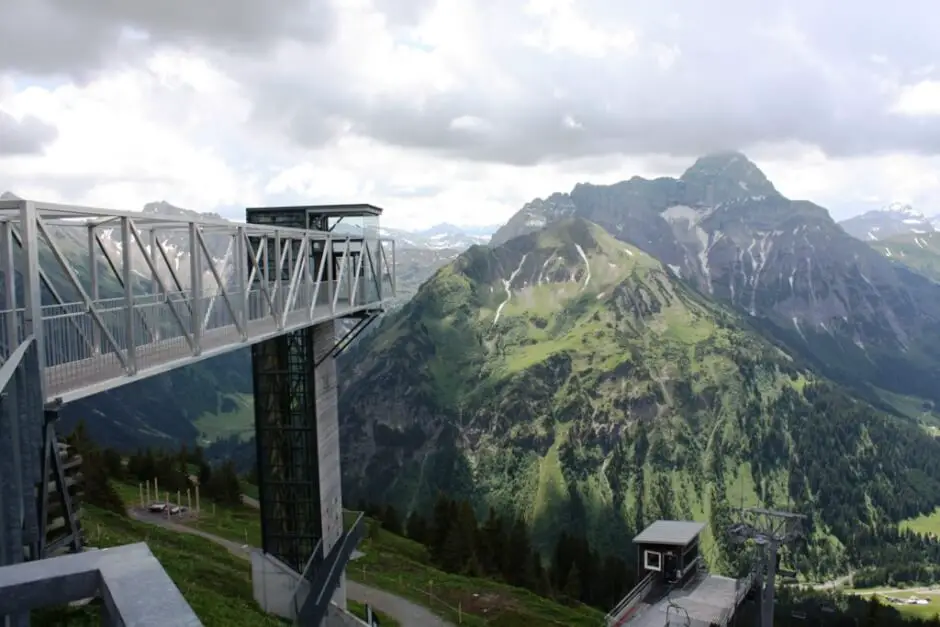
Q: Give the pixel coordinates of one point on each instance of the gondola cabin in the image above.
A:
(669, 548)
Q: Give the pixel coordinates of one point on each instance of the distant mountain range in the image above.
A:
(441, 237)
(663, 348)
(895, 219)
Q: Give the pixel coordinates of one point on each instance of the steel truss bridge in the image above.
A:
(94, 299)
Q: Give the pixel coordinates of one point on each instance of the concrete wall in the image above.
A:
(273, 581)
(273, 584)
(331, 494)
(337, 617)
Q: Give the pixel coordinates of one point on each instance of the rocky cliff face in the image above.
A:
(724, 228)
(894, 220)
(919, 252)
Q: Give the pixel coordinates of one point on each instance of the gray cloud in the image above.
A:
(66, 37)
(743, 73)
(403, 12)
(24, 137)
(819, 73)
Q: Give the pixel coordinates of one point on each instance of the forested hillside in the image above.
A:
(575, 381)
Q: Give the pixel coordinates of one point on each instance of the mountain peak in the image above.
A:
(165, 208)
(904, 210)
(9, 196)
(727, 176)
(890, 221)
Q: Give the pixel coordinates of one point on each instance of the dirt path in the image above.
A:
(402, 610)
(408, 614)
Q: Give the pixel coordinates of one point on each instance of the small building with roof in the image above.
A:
(674, 588)
(669, 548)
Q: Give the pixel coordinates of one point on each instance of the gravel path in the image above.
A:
(408, 614)
(404, 611)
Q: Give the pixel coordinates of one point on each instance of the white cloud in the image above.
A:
(922, 98)
(463, 110)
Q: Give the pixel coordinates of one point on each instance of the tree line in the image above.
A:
(174, 471)
(500, 547)
(497, 547)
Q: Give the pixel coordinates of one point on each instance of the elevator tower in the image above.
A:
(295, 385)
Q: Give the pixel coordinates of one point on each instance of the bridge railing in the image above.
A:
(621, 612)
(168, 309)
(132, 290)
(82, 344)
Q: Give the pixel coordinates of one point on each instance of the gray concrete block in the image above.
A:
(132, 583)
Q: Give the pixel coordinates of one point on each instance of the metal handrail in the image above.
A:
(8, 369)
(638, 591)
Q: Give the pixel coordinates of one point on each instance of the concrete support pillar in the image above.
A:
(325, 391)
(300, 480)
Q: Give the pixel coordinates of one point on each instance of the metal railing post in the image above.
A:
(195, 286)
(127, 277)
(95, 295)
(32, 288)
(7, 260)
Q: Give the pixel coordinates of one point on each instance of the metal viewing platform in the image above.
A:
(112, 297)
(94, 299)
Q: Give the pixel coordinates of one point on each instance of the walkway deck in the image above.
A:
(78, 378)
(707, 600)
(177, 289)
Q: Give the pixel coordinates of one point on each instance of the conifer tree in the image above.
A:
(417, 528)
(390, 521)
(572, 587)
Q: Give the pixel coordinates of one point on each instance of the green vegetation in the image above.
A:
(404, 567)
(920, 252)
(925, 524)
(796, 608)
(391, 562)
(607, 394)
(359, 609)
(250, 489)
(215, 583)
(908, 610)
(233, 417)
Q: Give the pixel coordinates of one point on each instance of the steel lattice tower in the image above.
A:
(769, 530)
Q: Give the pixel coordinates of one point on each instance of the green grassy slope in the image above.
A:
(604, 393)
(215, 583)
(920, 252)
(402, 567)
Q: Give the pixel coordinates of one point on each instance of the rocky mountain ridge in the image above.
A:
(893, 220)
(442, 236)
(724, 228)
(569, 376)
(919, 252)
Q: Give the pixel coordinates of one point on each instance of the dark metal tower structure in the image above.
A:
(296, 423)
(769, 530)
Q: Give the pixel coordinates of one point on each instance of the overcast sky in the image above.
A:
(461, 110)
